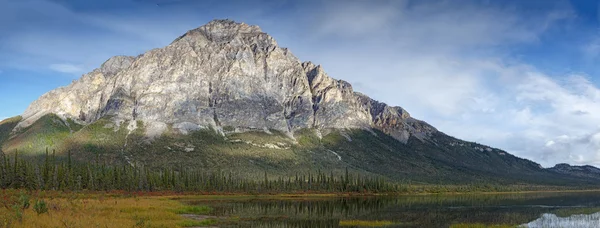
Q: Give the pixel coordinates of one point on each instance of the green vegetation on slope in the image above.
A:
(102, 140)
(442, 160)
(6, 127)
(48, 132)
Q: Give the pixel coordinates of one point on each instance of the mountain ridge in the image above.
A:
(574, 170)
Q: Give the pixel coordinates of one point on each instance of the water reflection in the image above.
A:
(530, 210)
(551, 220)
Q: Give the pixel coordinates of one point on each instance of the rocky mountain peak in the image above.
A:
(228, 31)
(222, 74)
(226, 26)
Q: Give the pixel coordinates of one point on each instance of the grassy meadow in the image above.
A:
(118, 209)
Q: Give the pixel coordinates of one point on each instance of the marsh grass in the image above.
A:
(196, 210)
(194, 223)
(100, 210)
(480, 225)
(366, 223)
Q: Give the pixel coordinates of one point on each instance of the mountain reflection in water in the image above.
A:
(579, 209)
(551, 220)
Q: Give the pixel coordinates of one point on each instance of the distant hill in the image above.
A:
(586, 171)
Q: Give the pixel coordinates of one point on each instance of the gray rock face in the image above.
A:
(115, 64)
(222, 74)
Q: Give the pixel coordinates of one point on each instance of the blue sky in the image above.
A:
(519, 75)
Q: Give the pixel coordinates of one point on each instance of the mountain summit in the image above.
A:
(223, 74)
(225, 96)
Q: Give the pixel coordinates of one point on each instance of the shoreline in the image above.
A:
(294, 195)
(188, 196)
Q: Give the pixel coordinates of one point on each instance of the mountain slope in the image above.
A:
(585, 171)
(6, 127)
(225, 96)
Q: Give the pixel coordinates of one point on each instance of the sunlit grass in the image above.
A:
(81, 210)
(48, 132)
(366, 223)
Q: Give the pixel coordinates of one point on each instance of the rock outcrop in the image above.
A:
(222, 74)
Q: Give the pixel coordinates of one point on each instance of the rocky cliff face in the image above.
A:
(223, 74)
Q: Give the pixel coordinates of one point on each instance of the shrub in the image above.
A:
(24, 200)
(18, 212)
(40, 207)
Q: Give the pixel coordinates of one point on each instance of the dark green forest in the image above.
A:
(55, 174)
(65, 174)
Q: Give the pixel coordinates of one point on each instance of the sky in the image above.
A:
(517, 75)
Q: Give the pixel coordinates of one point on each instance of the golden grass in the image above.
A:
(103, 211)
(365, 223)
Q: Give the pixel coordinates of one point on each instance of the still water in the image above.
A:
(495, 210)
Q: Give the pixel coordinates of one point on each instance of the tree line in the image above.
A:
(52, 174)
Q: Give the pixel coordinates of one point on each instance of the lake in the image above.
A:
(580, 209)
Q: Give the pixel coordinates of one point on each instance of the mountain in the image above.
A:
(586, 171)
(226, 96)
(223, 74)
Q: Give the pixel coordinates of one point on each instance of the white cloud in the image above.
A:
(67, 68)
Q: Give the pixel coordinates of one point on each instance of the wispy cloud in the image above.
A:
(67, 68)
(591, 49)
(59, 34)
(437, 24)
